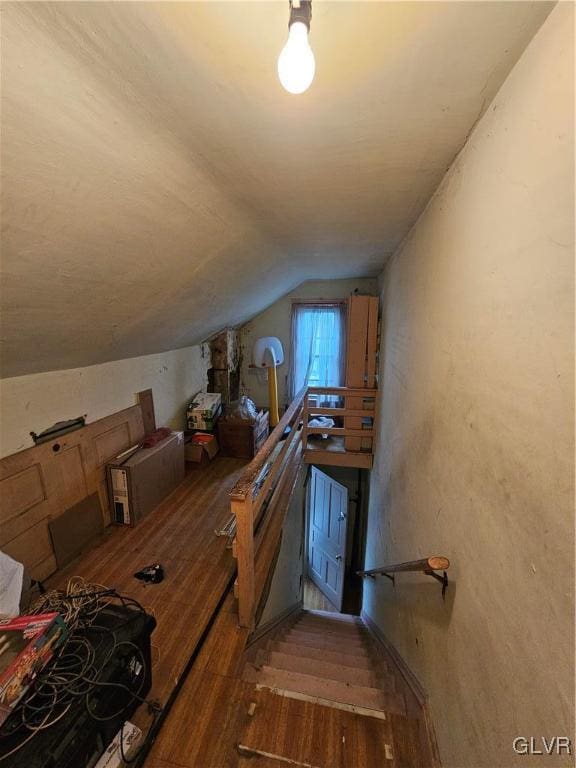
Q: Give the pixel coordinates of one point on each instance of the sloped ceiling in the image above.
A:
(158, 183)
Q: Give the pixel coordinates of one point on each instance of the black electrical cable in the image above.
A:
(72, 677)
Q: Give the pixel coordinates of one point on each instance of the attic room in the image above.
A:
(287, 384)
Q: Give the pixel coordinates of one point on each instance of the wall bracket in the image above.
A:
(442, 579)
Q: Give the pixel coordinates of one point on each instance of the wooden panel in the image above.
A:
(372, 342)
(361, 359)
(32, 547)
(21, 492)
(41, 482)
(66, 479)
(358, 310)
(371, 356)
(73, 531)
(111, 442)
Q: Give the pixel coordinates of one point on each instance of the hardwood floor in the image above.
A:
(215, 711)
(198, 568)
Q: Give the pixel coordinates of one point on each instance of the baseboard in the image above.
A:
(265, 628)
(411, 681)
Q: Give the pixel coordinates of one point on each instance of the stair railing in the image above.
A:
(428, 566)
(256, 485)
(336, 410)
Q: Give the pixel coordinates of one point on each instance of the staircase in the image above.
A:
(331, 659)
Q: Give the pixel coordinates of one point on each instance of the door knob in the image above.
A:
(338, 557)
(341, 516)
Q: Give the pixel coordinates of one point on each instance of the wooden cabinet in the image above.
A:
(242, 439)
(361, 360)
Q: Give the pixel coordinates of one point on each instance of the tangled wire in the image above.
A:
(73, 676)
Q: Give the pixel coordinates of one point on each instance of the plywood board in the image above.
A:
(73, 530)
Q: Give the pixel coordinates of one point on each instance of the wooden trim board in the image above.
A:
(259, 632)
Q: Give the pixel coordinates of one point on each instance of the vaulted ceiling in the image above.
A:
(158, 183)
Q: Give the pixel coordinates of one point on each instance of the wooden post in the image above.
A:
(356, 362)
(305, 422)
(245, 559)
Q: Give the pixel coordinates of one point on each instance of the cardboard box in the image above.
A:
(27, 643)
(138, 483)
(201, 447)
(204, 410)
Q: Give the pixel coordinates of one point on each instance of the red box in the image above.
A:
(27, 643)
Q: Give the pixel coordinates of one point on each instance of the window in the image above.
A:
(317, 353)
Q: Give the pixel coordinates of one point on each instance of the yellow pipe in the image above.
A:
(273, 396)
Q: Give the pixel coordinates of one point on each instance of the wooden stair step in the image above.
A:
(356, 661)
(330, 690)
(354, 636)
(335, 621)
(319, 668)
(337, 637)
(343, 630)
(343, 618)
(324, 641)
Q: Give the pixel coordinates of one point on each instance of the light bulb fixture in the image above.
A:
(296, 64)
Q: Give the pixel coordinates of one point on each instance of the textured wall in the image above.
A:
(476, 452)
(35, 402)
(275, 321)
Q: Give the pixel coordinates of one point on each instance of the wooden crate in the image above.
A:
(242, 439)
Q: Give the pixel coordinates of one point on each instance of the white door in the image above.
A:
(328, 517)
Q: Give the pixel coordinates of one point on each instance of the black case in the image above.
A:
(78, 740)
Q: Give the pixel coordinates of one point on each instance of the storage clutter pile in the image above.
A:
(71, 673)
(239, 429)
(243, 429)
(202, 416)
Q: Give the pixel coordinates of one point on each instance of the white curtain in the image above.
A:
(318, 346)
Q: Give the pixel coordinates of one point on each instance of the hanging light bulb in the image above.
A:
(296, 64)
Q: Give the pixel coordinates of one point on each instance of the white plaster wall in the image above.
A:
(35, 402)
(275, 321)
(476, 450)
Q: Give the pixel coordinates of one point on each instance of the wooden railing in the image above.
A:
(253, 492)
(337, 411)
(260, 497)
(428, 565)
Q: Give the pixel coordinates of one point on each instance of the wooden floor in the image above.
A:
(198, 568)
